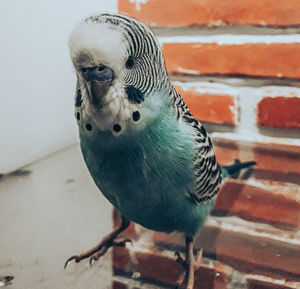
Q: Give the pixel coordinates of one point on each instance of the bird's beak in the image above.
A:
(98, 80)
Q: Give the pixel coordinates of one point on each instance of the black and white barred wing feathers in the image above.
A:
(206, 169)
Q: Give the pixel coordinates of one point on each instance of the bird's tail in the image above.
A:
(235, 168)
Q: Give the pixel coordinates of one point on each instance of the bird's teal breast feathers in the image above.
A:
(146, 174)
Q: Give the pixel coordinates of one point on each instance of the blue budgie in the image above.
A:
(146, 152)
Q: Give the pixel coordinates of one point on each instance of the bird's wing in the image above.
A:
(207, 172)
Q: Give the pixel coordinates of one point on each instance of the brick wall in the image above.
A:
(237, 65)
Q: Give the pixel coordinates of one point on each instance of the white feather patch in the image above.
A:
(101, 42)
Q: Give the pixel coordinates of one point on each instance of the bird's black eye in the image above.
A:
(83, 69)
(130, 62)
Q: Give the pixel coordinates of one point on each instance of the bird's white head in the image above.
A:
(119, 64)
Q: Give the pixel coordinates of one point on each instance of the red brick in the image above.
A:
(279, 112)
(121, 258)
(123, 282)
(119, 285)
(253, 59)
(243, 251)
(259, 284)
(217, 108)
(259, 255)
(274, 204)
(272, 157)
(277, 158)
(153, 264)
(213, 12)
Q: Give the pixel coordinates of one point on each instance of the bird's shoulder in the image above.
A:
(207, 171)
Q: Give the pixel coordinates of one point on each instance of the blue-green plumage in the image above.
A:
(148, 173)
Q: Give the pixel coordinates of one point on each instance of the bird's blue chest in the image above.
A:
(147, 174)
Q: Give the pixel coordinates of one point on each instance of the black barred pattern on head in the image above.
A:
(148, 73)
(207, 170)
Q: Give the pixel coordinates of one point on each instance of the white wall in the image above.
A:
(36, 76)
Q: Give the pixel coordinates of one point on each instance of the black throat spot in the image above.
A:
(134, 94)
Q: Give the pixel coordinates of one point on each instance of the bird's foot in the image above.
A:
(190, 265)
(95, 253)
(108, 241)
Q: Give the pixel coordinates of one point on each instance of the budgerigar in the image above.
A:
(146, 152)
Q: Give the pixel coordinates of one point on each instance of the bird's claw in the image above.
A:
(94, 258)
(74, 257)
(97, 252)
